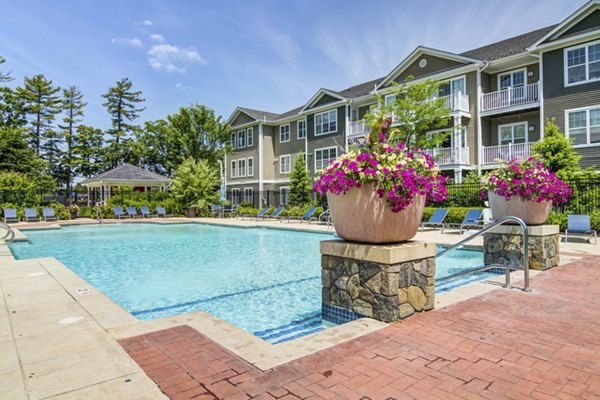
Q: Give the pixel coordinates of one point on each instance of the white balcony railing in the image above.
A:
(356, 128)
(449, 155)
(507, 152)
(516, 96)
(457, 102)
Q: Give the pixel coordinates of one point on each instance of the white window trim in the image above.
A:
(587, 64)
(247, 164)
(512, 124)
(337, 125)
(239, 135)
(449, 81)
(587, 133)
(251, 195)
(385, 100)
(289, 133)
(462, 128)
(298, 129)
(249, 134)
(234, 196)
(281, 192)
(234, 141)
(239, 169)
(524, 69)
(281, 164)
(321, 149)
(233, 168)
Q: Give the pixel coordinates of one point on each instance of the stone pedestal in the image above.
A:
(384, 282)
(503, 245)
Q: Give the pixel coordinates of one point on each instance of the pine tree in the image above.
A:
(4, 76)
(300, 188)
(72, 104)
(87, 150)
(41, 105)
(12, 109)
(121, 104)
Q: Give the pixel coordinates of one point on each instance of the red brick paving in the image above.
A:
(502, 345)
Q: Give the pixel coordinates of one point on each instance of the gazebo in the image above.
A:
(100, 187)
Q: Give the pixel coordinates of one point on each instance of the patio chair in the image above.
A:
(471, 220)
(31, 215)
(258, 215)
(131, 212)
(436, 219)
(10, 215)
(230, 211)
(119, 212)
(215, 209)
(48, 214)
(145, 211)
(308, 216)
(580, 224)
(276, 214)
(161, 211)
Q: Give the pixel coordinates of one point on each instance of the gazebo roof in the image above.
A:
(127, 175)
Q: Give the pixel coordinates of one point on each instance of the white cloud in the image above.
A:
(157, 38)
(179, 86)
(167, 57)
(147, 22)
(135, 42)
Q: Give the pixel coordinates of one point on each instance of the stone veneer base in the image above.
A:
(503, 245)
(384, 282)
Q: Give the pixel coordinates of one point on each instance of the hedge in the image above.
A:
(455, 214)
(59, 210)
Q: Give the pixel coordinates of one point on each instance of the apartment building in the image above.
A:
(498, 95)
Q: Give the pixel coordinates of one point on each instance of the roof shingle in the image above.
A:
(128, 172)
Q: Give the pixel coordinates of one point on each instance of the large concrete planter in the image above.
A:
(531, 212)
(361, 216)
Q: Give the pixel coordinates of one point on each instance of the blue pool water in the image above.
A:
(265, 281)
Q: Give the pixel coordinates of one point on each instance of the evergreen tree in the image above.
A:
(87, 151)
(300, 187)
(72, 105)
(121, 104)
(4, 76)
(12, 109)
(41, 105)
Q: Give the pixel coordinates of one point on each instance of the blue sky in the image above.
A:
(270, 55)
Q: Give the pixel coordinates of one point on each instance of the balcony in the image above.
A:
(507, 152)
(511, 99)
(449, 155)
(356, 129)
(457, 102)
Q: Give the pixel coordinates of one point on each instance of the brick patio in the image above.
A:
(504, 344)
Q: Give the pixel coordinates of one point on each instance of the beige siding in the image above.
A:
(471, 123)
(238, 155)
(254, 136)
(268, 153)
(434, 64)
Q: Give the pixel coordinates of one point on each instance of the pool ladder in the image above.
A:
(9, 235)
(99, 213)
(507, 267)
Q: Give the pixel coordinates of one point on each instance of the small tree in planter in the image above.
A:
(300, 187)
(195, 184)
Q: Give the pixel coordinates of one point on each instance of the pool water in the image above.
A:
(264, 281)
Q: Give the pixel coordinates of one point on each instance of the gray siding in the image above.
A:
(242, 119)
(325, 99)
(493, 78)
(268, 153)
(254, 137)
(434, 64)
(490, 135)
(589, 22)
(242, 154)
(590, 157)
(328, 140)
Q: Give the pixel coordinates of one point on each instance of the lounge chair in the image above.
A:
(436, 219)
(119, 212)
(472, 220)
(230, 210)
(48, 214)
(145, 212)
(258, 215)
(275, 214)
(10, 215)
(580, 224)
(308, 216)
(161, 211)
(31, 215)
(215, 209)
(131, 212)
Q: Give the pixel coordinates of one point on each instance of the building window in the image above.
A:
(284, 164)
(250, 137)
(248, 195)
(233, 164)
(284, 133)
(250, 166)
(235, 197)
(584, 125)
(582, 63)
(326, 122)
(284, 195)
(242, 168)
(233, 140)
(389, 99)
(241, 139)
(301, 129)
(452, 86)
(323, 156)
(511, 79)
(512, 133)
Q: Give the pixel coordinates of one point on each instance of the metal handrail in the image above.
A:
(99, 213)
(9, 235)
(507, 267)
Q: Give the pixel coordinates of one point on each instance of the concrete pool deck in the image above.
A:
(59, 334)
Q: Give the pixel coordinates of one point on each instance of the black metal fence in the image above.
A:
(265, 198)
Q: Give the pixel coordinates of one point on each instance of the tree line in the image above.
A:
(45, 144)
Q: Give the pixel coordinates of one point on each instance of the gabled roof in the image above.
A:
(128, 172)
(320, 93)
(507, 47)
(257, 115)
(421, 50)
(360, 90)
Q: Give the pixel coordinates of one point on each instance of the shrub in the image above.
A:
(455, 214)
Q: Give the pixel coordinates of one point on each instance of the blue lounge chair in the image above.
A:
(160, 211)
(119, 212)
(131, 212)
(436, 219)
(276, 214)
(145, 212)
(10, 215)
(31, 215)
(48, 214)
(230, 211)
(257, 215)
(473, 219)
(580, 224)
(308, 216)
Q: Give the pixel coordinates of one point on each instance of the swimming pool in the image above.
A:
(264, 281)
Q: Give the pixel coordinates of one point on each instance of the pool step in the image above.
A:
(310, 324)
(441, 287)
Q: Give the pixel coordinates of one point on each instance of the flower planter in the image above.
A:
(361, 216)
(530, 211)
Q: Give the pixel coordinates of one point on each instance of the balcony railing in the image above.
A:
(356, 128)
(507, 152)
(449, 155)
(457, 102)
(516, 96)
